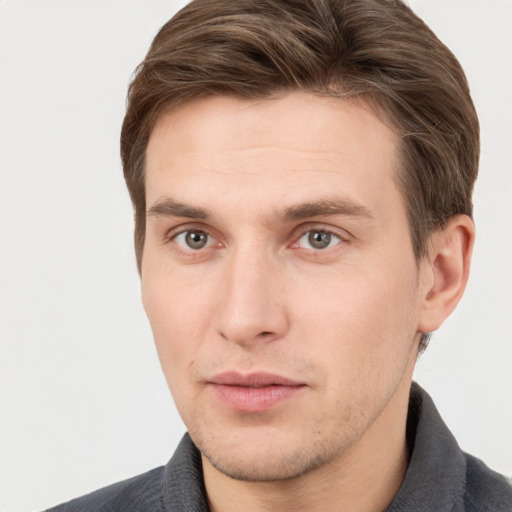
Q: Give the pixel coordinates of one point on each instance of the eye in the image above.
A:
(193, 239)
(318, 240)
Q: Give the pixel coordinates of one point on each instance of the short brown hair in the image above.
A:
(376, 49)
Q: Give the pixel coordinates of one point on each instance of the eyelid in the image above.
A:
(171, 235)
(173, 232)
(295, 236)
(340, 233)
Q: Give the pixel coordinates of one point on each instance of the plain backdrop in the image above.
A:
(83, 400)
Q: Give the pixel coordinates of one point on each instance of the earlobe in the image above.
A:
(445, 271)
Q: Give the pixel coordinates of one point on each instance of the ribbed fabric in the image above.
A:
(176, 487)
(440, 477)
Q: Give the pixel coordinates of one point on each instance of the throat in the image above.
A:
(358, 487)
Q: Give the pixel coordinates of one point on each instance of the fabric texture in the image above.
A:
(440, 477)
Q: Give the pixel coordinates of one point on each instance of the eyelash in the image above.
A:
(171, 237)
(331, 234)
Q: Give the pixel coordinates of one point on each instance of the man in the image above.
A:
(301, 174)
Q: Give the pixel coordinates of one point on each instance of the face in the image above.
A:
(279, 279)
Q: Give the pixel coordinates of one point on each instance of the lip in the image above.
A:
(254, 392)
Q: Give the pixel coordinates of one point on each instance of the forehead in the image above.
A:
(300, 118)
(290, 148)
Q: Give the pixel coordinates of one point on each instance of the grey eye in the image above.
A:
(316, 239)
(192, 239)
(319, 239)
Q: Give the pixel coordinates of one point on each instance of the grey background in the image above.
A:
(83, 402)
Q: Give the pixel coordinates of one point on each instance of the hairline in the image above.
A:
(371, 101)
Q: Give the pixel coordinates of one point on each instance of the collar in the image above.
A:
(435, 478)
(436, 475)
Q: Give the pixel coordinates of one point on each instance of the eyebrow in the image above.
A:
(324, 207)
(167, 207)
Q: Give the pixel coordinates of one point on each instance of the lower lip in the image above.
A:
(247, 399)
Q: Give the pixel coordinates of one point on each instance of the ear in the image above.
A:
(445, 271)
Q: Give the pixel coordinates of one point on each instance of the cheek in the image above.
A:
(176, 320)
(177, 340)
(363, 322)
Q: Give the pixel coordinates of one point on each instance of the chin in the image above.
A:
(266, 458)
(265, 468)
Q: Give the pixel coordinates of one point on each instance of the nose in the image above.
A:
(251, 307)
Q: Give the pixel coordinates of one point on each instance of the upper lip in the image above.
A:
(252, 380)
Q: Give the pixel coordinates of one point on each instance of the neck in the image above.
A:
(364, 479)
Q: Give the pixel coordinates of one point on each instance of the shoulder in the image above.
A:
(440, 475)
(141, 493)
(486, 490)
(175, 487)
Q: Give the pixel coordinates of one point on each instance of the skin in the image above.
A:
(344, 321)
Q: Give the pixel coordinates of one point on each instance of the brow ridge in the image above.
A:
(335, 206)
(167, 207)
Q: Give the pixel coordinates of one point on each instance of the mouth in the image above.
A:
(255, 392)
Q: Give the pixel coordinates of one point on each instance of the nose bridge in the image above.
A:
(251, 306)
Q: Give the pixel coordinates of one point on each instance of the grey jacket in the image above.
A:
(440, 477)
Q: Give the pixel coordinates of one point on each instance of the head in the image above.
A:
(378, 50)
(233, 62)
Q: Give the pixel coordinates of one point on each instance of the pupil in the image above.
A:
(196, 239)
(319, 240)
